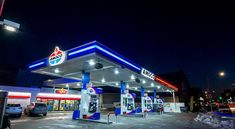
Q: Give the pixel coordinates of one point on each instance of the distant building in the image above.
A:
(229, 95)
(179, 80)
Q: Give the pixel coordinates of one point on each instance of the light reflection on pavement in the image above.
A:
(64, 121)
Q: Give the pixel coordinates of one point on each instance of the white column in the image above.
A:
(174, 99)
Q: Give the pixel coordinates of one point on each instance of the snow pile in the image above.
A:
(215, 121)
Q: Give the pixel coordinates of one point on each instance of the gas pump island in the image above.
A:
(146, 102)
(89, 107)
(98, 66)
(127, 100)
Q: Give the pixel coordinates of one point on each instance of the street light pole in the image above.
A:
(10, 25)
(221, 74)
(208, 91)
(2, 4)
(7, 24)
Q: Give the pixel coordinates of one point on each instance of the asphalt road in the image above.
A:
(64, 121)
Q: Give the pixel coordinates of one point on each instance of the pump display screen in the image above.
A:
(149, 106)
(93, 97)
(93, 104)
(130, 105)
(130, 100)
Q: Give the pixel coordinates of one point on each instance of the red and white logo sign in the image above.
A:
(57, 57)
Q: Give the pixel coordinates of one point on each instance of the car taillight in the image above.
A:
(32, 107)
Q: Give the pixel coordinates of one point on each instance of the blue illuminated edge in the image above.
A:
(85, 49)
(36, 64)
(94, 46)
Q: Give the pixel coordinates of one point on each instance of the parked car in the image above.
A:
(224, 109)
(14, 109)
(36, 109)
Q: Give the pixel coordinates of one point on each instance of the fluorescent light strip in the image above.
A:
(58, 95)
(19, 94)
(40, 63)
(111, 54)
(82, 50)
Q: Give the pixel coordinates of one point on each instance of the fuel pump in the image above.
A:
(147, 103)
(92, 97)
(128, 106)
(159, 103)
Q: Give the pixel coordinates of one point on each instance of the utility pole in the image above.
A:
(1, 4)
(208, 91)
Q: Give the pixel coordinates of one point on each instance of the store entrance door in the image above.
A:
(56, 105)
(62, 105)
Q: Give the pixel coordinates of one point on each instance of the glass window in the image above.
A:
(62, 105)
(56, 105)
(40, 104)
(13, 105)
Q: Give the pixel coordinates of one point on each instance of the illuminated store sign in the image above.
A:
(61, 91)
(147, 74)
(57, 57)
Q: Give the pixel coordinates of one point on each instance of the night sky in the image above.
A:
(162, 37)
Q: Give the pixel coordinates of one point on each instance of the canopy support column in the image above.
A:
(142, 98)
(84, 102)
(154, 96)
(173, 94)
(123, 92)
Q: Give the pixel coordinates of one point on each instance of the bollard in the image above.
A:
(116, 118)
(76, 114)
(117, 112)
(109, 116)
(145, 114)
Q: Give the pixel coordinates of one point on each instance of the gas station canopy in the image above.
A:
(106, 68)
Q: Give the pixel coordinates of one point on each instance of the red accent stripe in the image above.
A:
(232, 105)
(44, 97)
(18, 97)
(3, 1)
(166, 83)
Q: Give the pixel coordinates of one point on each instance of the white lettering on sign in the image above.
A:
(147, 74)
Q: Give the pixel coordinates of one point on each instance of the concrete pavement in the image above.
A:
(64, 121)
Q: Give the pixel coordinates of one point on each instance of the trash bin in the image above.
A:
(76, 114)
(96, 116)
(117, 111)
(138, 110)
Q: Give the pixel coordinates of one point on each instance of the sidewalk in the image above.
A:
(53, 113)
